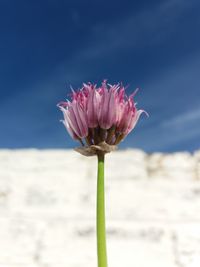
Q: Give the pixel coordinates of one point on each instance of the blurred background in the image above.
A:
(47, 191)
(46, 46)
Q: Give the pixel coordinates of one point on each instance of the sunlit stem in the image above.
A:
(101, 228)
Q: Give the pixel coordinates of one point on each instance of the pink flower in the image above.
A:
(104, 114)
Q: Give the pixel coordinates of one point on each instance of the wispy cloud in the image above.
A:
(184, 120)
(151, 25)
(178, 129)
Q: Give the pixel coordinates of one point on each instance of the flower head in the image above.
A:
(99, 117)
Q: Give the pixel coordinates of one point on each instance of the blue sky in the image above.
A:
(46, 46)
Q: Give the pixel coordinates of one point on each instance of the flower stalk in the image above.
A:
(100, 118)
(100, 216)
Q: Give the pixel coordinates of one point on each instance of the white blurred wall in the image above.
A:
(47, 209)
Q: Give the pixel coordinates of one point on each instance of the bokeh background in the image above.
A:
(46, 46)
(47, 191)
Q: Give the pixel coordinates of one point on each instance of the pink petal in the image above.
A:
(134, 120)
(79, 120)
(68, 123)
(69, 129)
(111, 117)
(92, 109)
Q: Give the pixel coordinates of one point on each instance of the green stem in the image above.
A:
(101, 228)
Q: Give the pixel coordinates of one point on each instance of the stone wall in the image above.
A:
(47, 209)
